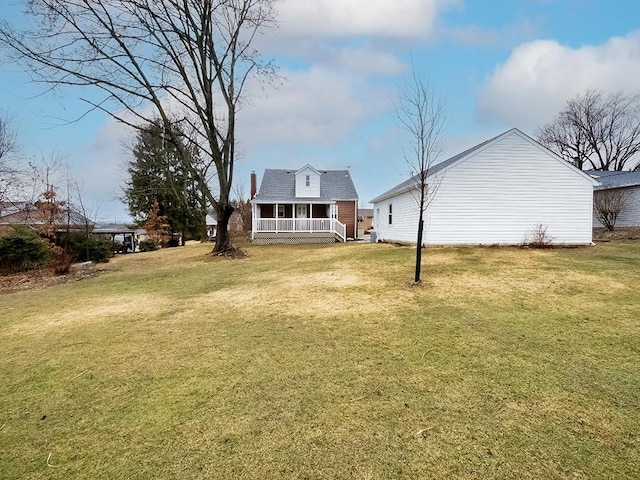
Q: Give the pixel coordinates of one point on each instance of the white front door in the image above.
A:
(301, 211)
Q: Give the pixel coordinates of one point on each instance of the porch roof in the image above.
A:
(279, 186)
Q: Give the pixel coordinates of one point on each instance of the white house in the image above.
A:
(501, 191)
(625, 183)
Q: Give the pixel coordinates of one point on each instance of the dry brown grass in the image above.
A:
(322, 362)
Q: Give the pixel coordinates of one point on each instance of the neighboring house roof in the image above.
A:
(211, 219)
(609, 179)
(279, 185)
(365, 212)
(412, 182)
(27, 213)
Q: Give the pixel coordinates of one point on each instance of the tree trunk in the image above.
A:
(223, 242)
(419, 251)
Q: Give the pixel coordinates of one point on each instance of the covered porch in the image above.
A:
(298, 222)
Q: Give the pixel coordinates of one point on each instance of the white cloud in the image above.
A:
(318, 107)
(344, 18)
(539, 77)
(100, 167)
(313, 109)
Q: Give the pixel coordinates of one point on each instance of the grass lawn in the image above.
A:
(320, 362)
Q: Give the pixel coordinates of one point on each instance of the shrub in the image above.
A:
(148, 246)
(61, 260)
(539, 238)
(83, 248)
(22, 250)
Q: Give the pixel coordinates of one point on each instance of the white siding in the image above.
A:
(498, 195)
(405, 219)
(630, 216)
(304, 191)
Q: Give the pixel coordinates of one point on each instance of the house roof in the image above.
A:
(609, 179)
(279, 185)
(365, 212)
(413, 181)
(27, 213)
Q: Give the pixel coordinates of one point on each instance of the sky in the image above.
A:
(495, 64)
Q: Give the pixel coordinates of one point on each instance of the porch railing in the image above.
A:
(307, 225)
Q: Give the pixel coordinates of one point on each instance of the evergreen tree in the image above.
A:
(157, 174)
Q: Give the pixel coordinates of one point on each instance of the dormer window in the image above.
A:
(307, 182)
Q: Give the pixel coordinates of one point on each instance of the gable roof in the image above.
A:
(460, 157)
(309, 167)
(279, 185)
(609, 179)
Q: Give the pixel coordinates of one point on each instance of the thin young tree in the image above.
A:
(597, 131)
(141, 59)
(421, 114)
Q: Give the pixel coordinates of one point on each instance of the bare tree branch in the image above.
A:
(178, 60)
(9, 172)
(597, 132)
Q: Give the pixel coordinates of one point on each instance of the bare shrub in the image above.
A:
(608, 205)
(539, 237)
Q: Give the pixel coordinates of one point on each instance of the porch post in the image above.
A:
(294, 214)
(276, 217)
(311, 217)
(254, 221)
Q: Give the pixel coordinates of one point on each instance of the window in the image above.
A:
(307, 180)
(390, 214)
(280, 211)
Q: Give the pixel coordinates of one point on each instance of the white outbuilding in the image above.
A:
(505, 191)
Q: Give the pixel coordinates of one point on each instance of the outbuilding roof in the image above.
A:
(279, 185)
(609, 179)
(113, 228)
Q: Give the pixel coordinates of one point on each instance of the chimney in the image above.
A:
(254, 186)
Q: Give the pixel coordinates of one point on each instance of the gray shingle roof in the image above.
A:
(279, 185)
(610, 179)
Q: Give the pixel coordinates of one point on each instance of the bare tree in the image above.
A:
(9, 172)
(608, 205)
(597, 132)
(184, 61)
(242, 205)
(422, 116)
